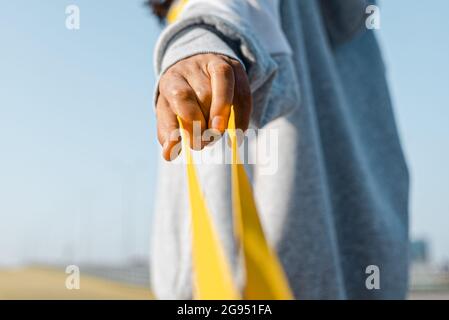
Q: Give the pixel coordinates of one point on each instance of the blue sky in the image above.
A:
(77, 133)
(414, 36)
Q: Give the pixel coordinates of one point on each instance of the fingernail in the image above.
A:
(218, 123)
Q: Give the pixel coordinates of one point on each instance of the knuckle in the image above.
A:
(168, 78)
(163, 83)
(236, 64)
(204, 93)
(222, 68)
(180, 93)
(170, 73)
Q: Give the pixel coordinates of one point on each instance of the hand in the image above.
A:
(201, 88)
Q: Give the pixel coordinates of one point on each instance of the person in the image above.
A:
(336, 207)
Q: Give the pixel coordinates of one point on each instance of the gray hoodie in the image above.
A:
(336, 205)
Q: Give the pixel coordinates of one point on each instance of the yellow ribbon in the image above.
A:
(212, 273)
(265, 277)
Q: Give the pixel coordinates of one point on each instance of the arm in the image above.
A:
(200, 61)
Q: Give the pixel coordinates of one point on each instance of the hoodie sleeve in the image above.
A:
(246, 30)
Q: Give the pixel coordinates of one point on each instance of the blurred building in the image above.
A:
(419, 251)
(426, 276)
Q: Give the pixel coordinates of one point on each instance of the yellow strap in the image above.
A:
(265, 278)
(212, 273)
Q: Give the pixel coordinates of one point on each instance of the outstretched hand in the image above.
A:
(200, 90)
